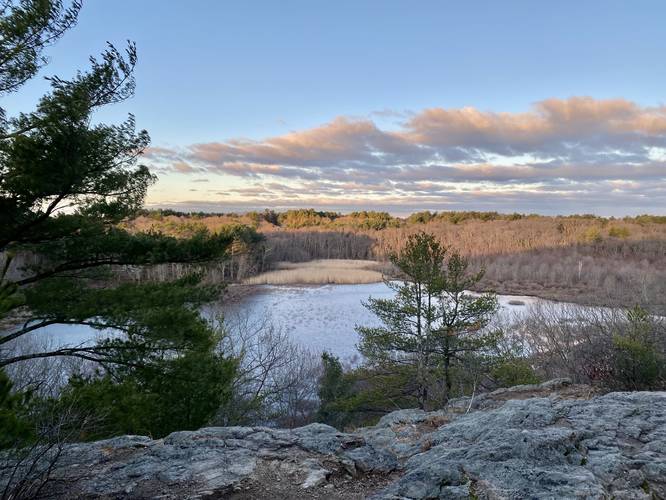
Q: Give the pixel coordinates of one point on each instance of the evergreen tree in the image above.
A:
(333, 386)
(67, 183)
(461, 317)
(178, 394)
(15, 426)
(637, 363)
(431, 321)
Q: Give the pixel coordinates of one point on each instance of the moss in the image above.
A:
(472, 489)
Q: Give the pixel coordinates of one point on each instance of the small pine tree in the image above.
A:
(15, 428)
(432, 320)
(332, 387)
(637, 362)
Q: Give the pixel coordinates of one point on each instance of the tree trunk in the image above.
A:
(447, 371)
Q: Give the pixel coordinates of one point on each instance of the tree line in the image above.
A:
(584, 259)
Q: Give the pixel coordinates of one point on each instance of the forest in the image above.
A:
(584, 259)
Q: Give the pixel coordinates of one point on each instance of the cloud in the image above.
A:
(183, 167)
(343, 141)
(581, 143)
(552, 127)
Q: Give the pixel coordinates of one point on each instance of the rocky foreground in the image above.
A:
(554, 440)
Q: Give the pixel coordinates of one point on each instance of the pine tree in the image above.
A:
(332, 388)
(67, 186)
(432, 320)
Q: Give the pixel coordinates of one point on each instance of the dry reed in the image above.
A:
(317, 272)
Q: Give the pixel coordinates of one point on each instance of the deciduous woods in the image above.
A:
(584, 259)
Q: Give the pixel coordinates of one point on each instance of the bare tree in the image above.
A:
(29, 468)
(590, 344)
(277, 379)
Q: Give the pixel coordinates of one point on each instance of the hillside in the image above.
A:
(553, 440)
(585, 259)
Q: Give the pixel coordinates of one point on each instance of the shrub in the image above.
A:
(14, 426)
(592, 235)
(183, 394)
(276, 380)
(638, 363)
(515, 371)
(333, 385)
(618, 232)
(612, 348)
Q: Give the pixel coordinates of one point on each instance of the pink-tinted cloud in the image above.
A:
(558, 142)
(183, 167)
(552, 127)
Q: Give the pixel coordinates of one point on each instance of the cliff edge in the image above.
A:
(554, 440)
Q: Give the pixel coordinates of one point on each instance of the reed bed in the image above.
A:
(320, 272)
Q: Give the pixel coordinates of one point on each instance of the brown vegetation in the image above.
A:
(618, 349)
(338, 271)
(585, 259)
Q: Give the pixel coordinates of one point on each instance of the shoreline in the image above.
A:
(356, 272)
(237, 292)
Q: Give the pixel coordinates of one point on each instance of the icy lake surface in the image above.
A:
(323, 318)
(320, 318)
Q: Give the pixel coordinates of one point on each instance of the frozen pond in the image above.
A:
(323, 318)
(56, 336)
(320, 318)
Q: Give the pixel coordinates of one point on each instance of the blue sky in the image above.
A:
(211, 73)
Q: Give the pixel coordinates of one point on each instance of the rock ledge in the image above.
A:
(554, 440)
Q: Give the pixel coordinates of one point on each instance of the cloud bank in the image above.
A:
(563, 155)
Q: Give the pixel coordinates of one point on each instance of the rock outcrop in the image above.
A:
(555, 440)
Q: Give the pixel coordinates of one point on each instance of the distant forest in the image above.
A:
(579, 258)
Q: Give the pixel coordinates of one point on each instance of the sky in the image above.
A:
(513, 106)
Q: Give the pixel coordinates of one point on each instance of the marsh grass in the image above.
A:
(318, 272)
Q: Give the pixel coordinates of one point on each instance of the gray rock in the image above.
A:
(316, 475)
(410, 416)
(543, 441)
(545, 448)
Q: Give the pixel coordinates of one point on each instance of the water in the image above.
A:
(323, 318)
(320, 318)
(53, 337)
